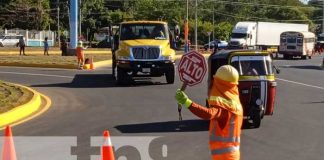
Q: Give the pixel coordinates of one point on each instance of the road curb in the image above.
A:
(26, 111)
(102, 63)
(52, 52)
(68, 66)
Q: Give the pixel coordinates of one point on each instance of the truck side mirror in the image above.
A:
(115, 42)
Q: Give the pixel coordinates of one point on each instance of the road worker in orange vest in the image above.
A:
(225, 113)
(80, 54)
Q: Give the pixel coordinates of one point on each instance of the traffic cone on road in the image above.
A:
(91, 64)
(8, 150)
(107, 152)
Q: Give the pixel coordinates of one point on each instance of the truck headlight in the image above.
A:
(259, 102)
(123, 58)
(170, 58)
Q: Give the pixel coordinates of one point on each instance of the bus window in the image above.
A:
(283, 40)
(291, 40)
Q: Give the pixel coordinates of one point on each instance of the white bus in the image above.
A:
(299, 44)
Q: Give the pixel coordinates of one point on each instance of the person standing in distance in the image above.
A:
(46, 47)
(225, 113)
(22, 45)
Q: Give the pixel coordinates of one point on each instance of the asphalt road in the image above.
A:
(85, 103)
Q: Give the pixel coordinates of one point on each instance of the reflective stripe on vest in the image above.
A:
(231, 105)
(231, 138)
(225, 150)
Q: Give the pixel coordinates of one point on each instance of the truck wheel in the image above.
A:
(114, 68)
(113, 65)
(120, 76)
(257, 116)
(256, 120)
(285, 56)
(303, 57)
(123, 78)
(1, 45)
(309, 57)
(169, 76)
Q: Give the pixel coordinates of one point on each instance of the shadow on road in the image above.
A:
(169, 126)
(248, 125)
(314, 102)
(99, 81)
(313, 67)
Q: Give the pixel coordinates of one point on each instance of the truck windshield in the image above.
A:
(143, 31)
(239, 35)
(320, 38)
(291, 39)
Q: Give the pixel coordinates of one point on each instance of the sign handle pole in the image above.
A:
(183, 87)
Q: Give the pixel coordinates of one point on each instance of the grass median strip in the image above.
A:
(51, 60)
(12, 96)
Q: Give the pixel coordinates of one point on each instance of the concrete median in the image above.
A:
(35, 106)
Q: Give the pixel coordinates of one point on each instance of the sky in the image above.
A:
(304, 1)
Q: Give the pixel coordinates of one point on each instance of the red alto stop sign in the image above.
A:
(192, 68)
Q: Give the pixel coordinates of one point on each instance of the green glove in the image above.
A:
(182, 98)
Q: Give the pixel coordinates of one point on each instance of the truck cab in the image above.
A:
(143, 49)
(319, 46)
(243, 35)
(320, 38)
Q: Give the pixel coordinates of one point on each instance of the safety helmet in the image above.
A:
(227, 73)
(79, 43)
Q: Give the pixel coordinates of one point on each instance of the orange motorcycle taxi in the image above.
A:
(257, 83)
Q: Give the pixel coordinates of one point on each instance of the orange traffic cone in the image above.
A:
(107, 152)
(91, 64)
(8, 150)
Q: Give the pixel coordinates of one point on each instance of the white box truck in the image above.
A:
(261, 35)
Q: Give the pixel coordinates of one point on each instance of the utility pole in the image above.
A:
(213, 22)
(58, 25)
(323, 17)
(186, 28)
(80, 19)
(196, 23)
(73, 23)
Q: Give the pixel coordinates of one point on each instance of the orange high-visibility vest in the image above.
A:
(225, 133)
(79, 53)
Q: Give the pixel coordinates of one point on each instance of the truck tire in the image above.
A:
(1, 45)
(170, 75)
(304, 57)
(256, 118)
(121, 76)
(114, 67)
(285, 56)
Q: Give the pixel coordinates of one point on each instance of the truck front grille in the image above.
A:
(234, 43)
(146, 52)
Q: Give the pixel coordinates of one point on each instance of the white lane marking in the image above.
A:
(303, 84)
(71, 77)
(35, 74)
